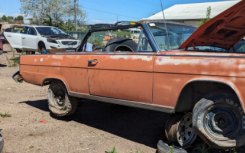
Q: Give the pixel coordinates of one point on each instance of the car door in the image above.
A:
(13, 35)
(122, 75)
(29, 39)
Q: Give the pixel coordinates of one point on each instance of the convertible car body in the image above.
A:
(196, 75)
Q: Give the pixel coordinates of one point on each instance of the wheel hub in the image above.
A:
(60, 98)
(221, 121)
(186, 134)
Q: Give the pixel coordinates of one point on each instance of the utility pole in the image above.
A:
(75, 9)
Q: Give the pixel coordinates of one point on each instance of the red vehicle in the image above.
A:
(198, 76)
(2, 40)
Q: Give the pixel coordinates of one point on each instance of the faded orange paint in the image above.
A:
(36, 68)
(119, 76)
(174, 70)
(154, 78)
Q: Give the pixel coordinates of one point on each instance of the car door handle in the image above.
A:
(93, 61)
(23, 38)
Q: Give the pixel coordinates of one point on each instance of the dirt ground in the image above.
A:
(96, 127)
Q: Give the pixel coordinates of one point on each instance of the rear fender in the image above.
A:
(227, 82)
(48, 80)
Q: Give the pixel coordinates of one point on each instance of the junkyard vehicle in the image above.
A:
(38, 38)
(173, 68)
(1, 40)
(1, 143)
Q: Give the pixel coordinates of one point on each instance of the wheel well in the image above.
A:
(195, 91)
(40, 44)
(48, 81)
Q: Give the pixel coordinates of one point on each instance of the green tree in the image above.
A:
(206, 19)
(10, 18)
(19, 18)
(4, 18)
(51, 12)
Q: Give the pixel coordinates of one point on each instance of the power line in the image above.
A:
(110, 13)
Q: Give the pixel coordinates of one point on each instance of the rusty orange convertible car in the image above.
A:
(196, 75)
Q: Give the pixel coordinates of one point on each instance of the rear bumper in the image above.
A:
(17, 77)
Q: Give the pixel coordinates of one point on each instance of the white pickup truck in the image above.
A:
(37, 38)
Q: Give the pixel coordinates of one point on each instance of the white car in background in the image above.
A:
(37, 38)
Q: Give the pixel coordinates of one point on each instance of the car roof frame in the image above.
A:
(145, 28)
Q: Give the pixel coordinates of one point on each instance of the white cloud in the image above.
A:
(100, 21)
(1, 14)
(18, 14)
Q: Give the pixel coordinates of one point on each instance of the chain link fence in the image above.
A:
(77, 35)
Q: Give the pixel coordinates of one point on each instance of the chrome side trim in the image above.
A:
(123, 102)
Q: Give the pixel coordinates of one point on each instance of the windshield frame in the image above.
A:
(60, 31)
(161, 22)
(144, 26)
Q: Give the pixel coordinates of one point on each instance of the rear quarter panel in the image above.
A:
(71, 69)
(175, 69)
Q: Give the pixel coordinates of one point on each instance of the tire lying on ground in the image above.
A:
(60, 103)
(179, 130)
(164, 148)
(219, 120)
(120, 44)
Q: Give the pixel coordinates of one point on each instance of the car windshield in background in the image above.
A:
(177, 33)
(50, 31)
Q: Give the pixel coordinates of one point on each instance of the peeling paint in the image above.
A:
(56, 63)
(116, 57)
(232, 74)
(233, 79)
(204, 73)
(169, 61)
(143, 58)
(176, 62)
(241, 66)
(57, 57)
(133, 57)
(41, 59)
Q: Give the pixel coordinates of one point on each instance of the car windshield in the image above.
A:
(177, 33)
(50, 31)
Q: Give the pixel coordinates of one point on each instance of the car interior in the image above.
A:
(118, 41)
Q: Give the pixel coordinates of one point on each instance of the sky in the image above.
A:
(109, 11)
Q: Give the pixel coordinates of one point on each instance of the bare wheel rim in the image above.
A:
(222, 121)
(186, 135)
(57, 98)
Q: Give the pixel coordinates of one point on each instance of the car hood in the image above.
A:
(224, 30)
